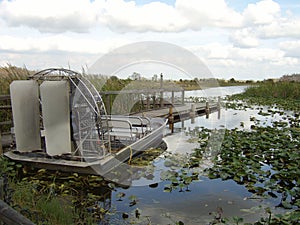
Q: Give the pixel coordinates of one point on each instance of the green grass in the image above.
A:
(278, 90)
(283, 95)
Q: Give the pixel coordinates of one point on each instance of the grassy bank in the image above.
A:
(278, 90)
(284, 95)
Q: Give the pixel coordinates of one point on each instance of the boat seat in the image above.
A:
(141, 125)
(122, 130)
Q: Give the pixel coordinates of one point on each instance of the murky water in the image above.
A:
(203, 200)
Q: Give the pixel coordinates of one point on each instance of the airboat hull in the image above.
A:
(73, 131)
(93, 167)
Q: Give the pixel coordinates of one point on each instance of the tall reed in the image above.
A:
(280, 90)
(8, 74)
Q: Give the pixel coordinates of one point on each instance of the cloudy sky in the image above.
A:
(244, 39)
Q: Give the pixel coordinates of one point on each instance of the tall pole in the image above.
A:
(161, 90)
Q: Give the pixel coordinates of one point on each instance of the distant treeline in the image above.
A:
(293, 78)
(113, 83)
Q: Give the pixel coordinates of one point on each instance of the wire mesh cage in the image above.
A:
(88, 118)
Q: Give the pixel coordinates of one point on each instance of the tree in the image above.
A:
(135, 76)
(154, 78)
(232, 80)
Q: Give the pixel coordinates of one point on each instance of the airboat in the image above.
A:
(60, 122)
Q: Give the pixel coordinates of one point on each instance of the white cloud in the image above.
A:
(291, 48)
(230, 55)
(281, 28)
(208, 13)
(58, 43)
(245, 38)
(80, 16)
(219, 51)
(49, 16)
(263, 12)
(127, 16)
(259, 54)
(46, 32)
(59, 16)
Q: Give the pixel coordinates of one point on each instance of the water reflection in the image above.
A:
(182, 193)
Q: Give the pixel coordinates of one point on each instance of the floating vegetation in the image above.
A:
(265, 160)
(47, 197)
(146, 158)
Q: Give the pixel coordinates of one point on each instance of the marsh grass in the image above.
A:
(279, 90)
(8, 74)
(283, 95)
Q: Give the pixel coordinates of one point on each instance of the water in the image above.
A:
(216, 91)
(204, 199)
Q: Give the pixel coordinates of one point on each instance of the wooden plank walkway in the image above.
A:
(179, 111)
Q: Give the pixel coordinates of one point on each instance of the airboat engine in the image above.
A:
(59, 112)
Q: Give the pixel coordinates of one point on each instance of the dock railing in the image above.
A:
(142, 99)
(5, 118)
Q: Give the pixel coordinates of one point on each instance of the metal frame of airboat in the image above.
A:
(101, 131)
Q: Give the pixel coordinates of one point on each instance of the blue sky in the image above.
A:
(244, 39)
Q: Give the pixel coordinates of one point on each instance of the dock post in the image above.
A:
(182, 96)
(154, 101)
(219, 107)
(172, 99)
(171, 120)
(148, 102)
(193, 110)
(207, 110)
(161, 99)
(193, 113)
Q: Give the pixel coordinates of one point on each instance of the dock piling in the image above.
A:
(219, 107)
(207, 110)
(193, 113)
(171, 119)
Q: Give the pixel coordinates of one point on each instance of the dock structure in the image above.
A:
(179, 112)
(172, 110)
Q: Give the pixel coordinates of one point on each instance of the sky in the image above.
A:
(244, 39)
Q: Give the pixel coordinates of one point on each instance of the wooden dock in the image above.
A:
(179, 112)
